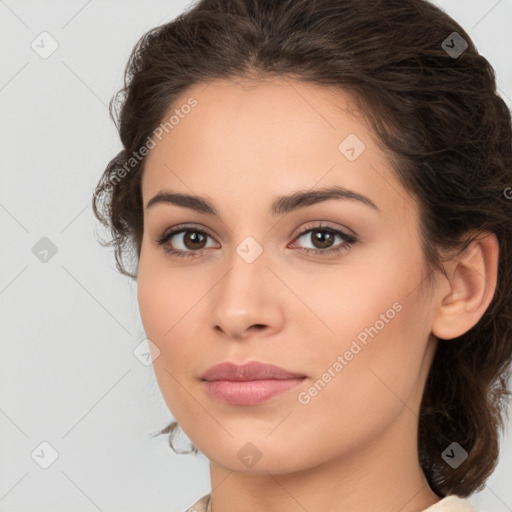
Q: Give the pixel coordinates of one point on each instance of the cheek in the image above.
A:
(166, 301)
(160, 313)
(164, 296)
(364, 392)
(152, 306)
(163, 311)
(379, 328)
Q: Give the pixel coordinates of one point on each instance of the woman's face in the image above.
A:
(355, 321)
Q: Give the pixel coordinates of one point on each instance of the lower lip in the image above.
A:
(249, 392)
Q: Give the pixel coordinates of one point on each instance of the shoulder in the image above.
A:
(201, 505)
(451, 503)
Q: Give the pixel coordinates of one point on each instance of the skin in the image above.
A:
(241, 147)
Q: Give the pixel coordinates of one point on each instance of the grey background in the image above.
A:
(70, 325)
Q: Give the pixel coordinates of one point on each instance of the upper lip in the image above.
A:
(252, 370)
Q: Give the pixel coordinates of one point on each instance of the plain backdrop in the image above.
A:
(74, 396)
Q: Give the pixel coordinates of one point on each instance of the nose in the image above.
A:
(248, 300)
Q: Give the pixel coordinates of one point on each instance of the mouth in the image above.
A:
(249, 384)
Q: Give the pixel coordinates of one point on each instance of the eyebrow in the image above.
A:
(280, 206)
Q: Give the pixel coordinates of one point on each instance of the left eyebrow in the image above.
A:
(300, 199)
(280, 206)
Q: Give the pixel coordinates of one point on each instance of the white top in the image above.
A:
(450, 503)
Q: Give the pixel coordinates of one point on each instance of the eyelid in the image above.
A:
(321, 224)
(174, 230)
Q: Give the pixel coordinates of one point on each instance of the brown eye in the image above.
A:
(323, 238)
(184, 241)
(194, 240)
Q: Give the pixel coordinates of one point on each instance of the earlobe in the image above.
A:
(471, 287)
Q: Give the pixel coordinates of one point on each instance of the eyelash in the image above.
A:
(349, 240)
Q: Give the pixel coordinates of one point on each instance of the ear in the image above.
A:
(464, 298)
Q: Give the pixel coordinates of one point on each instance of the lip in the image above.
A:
(249, 384)
(252, 370)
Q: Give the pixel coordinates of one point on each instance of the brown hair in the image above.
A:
(436, 113)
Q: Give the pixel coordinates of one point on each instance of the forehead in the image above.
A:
(270, 137)
(246, 116)
(230, 110)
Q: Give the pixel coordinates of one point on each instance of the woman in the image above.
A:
(317, 194)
